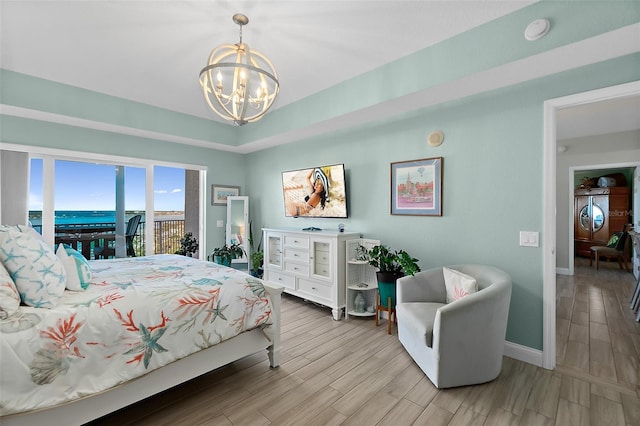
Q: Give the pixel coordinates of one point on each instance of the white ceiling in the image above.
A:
(152, 51)
(599, 118)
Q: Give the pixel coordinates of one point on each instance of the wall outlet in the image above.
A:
(529, 239)
(220, 223)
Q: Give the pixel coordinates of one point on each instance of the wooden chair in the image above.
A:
(132, 229)
(618, 250)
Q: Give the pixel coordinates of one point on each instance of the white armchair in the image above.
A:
(459, 343)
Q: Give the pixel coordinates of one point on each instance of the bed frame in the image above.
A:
(92, 407)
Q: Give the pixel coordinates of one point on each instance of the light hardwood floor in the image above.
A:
(352, 373)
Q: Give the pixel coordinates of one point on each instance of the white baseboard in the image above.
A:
(523, 353)
(562, 271)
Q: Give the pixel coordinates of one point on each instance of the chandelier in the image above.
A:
(238, 83)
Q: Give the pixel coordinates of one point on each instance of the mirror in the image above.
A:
(585, 219)
(237, 231)
(598, 218)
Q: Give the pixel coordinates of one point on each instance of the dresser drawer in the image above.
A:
(315, 289)
(297, 268)
(282, 279)
(296, 241)
(299, 255)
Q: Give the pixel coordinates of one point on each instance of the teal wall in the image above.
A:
(492, 176)
(492, 150)
(492, 181)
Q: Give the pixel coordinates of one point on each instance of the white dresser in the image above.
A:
(309, 264)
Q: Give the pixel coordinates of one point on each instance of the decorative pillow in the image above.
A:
(37, 273)
(9, 297)
(613, 241)
(458, 285)
(76, 266)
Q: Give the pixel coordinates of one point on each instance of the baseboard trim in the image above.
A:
(562, 271)
(523, 353)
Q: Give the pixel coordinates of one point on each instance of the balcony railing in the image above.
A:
(86, 237)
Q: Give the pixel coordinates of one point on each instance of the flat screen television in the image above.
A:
(315, 192)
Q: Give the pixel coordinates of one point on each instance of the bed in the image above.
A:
(142, 325)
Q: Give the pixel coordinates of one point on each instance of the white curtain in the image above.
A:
(14, 187)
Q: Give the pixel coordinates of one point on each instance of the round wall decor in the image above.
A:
(435, 138)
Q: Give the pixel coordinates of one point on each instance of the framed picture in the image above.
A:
(219, 194)
(416, 187)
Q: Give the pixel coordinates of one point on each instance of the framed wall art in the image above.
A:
(219, 194)
(416, 187)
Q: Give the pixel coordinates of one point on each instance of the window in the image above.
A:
(93, 202)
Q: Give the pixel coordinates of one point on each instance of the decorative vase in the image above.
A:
(359, 303)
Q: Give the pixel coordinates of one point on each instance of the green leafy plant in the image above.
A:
(398, 262)
(188, 245)
(257, 258)
(225, 254)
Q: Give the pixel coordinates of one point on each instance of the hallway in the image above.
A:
(597, 338)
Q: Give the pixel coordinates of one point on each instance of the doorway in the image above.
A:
(549, 245)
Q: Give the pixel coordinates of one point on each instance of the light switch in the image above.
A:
(529, 239)
(220, 223)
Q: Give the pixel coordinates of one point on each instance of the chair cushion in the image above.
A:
(458, 285)
(419, 318)
(76, 266)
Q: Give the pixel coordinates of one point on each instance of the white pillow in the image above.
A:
(9, 297)
(35, 269)
(458, 285)
(76, 266)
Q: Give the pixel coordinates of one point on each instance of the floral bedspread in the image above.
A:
(137, 315)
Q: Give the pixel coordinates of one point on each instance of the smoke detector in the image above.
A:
(537, 29)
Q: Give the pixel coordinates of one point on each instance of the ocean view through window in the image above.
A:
(93, 203)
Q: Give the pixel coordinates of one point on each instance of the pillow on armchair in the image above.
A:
(458, 285)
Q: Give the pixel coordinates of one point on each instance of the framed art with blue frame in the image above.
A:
(219, 194)
(416, 187)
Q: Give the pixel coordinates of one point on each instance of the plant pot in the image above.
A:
(224, 261)
(256, 273)
(387, 287)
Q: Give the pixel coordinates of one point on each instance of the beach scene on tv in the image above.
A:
(315, 192)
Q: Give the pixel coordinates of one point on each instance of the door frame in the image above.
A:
(551, 107)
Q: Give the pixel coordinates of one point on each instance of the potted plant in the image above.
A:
(188, 245)
(391, 265)
(225, 254)
(257, 258)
